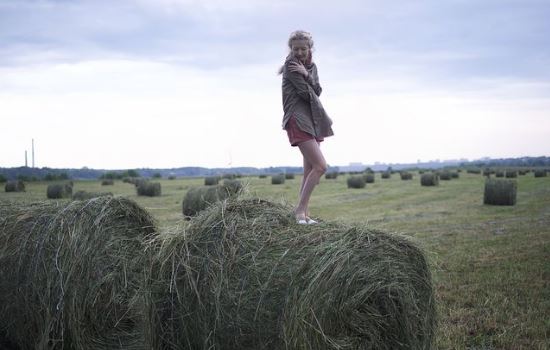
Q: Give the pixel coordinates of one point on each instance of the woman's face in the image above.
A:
(300, 49)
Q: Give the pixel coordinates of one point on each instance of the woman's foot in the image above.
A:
(301, 218)
(310, 221)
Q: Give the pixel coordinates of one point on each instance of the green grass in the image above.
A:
(491, 264)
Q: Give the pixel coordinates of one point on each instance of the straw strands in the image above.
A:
(69, 272)
(243, 275)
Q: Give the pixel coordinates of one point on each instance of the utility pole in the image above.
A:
(25, 158)
(32, 153)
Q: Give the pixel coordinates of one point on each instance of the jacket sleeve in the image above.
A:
(313, 81)
(302, 85)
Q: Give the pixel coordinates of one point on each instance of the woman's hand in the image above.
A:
(298, 67)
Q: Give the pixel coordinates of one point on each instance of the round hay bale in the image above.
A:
(14, 186)
(83, 195)
(278, 179)
(57, 191)
(429, 179)
(199, 198)
(69, 273)
(211, 180)
(150, 189)
(262, 176)
(511, 174)
(454, 175)
(445, 175)
(333, 175)
(405, 175)
(500, 192)
(107, 182)
(369, 178)
(243, 275)
(289, 176)
(499, 173)
(386, 175)
(356, 182)
(537, 173)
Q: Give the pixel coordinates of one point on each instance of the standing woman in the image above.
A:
(305, 119)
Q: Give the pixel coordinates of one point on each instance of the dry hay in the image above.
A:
(199, 198)
(386, 175)
(69, 273)
(369, 178)
(150, 189)
(107, 182)
(14, 186)
(331, 175)
(243, 275)
(500, 192)
(406, 175)
(57, 191)
(289, 176)
(356, 181)
(83, 195)
(429, 179)
(536, 173)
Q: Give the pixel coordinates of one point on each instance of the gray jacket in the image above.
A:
(301, 100)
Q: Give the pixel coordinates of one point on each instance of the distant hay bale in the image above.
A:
(243, 275)
(429, 179)
(69, 274)
(172, 177)
(289, 176)
(405, 175)
(83, 195)
(199, 198)
(58, 191)
(386, 175)
(511, 174)
(445, 175)
(262, 176)
(331, 175)
(454, 175)
(107, 182)
(537, 173)
(211, 180)
(500, 192)
(473, 171)
(356, 181)
(369, 178)
(499, 173)
(150, 189)
(14, 186)
(278, 179)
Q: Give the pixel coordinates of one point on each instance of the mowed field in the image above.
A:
(490, 264)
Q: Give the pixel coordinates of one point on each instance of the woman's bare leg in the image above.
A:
(317, 167)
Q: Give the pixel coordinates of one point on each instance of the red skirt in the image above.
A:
(296, 135)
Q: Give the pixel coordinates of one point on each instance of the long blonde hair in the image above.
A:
(300, 35)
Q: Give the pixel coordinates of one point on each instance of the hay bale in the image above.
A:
(278, 179)
(262, 176)
(511, 174)
(473, 171)
(500, 192)
(406, 175)
(429, 179)
(14, 186)
(58, 191)
(199, 198)
(83, 195)
(107, 182)
(356, 182)
(243, 275)
(333, 175)
(537, 173)
(454, 175)
(445, 175)
(499, 173)
(369, 178)
(289, 176)
(69, 273)
(211, 180)
(386, 175)
(150, 189)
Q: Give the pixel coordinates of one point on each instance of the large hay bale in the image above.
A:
(57, 191)
(511, 174)
(242, 275)
(199, 198)
(69, 274)
(107, 182)
(333, 175)
(445, 175)
(211, 180)
(429, 179)
(84, 195)
(386, 175)
(356, 181)
(405, 175)
(150, 189)
(278, 179)
(500, 192)
(14, 186)
(537, 173)
(289, 176)
(369, 178)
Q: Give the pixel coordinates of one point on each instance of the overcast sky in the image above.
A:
(169, 83)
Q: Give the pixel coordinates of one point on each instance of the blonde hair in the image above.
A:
(300, 35)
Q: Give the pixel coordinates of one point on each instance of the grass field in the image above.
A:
(491, 264)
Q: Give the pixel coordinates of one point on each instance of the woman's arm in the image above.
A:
(300, 78)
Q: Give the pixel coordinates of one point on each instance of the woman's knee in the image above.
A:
(320, 168)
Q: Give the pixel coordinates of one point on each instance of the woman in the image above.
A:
(305, 119)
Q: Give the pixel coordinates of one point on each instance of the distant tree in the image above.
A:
(22, 177)
(132, 173)
(157, 175)
(63, 176)
(3, 178)
(49, 177)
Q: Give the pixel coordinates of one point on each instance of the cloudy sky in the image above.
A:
(118, 84)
